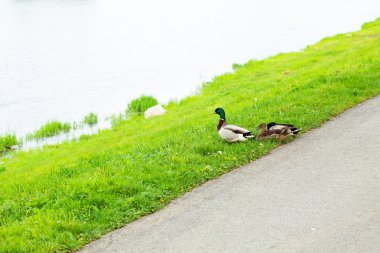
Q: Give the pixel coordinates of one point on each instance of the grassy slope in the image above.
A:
(67, 195)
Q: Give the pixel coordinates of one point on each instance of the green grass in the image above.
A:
(51, 128)
(7, 140)
(61, 197)
(91, 119)
(141, 104)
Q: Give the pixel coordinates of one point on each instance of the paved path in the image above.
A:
(320, 193)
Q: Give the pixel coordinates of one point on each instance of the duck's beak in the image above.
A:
(213, 113)
(258, 128)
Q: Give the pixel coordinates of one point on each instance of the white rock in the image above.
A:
(154, 111)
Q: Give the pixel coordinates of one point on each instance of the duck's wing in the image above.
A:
(284, 129)
(236, 129)
(274, 126)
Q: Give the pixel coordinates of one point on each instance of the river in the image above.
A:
(61, 59)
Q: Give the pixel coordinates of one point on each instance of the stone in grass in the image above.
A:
(154, 111)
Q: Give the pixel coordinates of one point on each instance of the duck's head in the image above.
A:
(221, 113)
(262, 126)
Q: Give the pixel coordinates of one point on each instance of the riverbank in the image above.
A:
(61, 197)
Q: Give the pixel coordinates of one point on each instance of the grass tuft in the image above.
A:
(141, 104)
(91, 119)
(7, 141)
(51, 128)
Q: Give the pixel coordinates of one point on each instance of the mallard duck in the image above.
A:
(274, 130)
(230, 133)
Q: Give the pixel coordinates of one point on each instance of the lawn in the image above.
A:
(64, 196)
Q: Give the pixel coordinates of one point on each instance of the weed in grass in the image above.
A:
(141, 104)
(84, 137)
(61, 197)
(91, 119)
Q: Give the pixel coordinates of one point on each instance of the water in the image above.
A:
(63, 59)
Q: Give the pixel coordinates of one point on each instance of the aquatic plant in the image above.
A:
(66, 127)
(90, 119)
(141, 104)
(51, 128)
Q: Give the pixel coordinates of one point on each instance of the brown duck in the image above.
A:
(277, 131)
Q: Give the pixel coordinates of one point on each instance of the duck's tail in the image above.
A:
(295, 130)
(248, 135)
